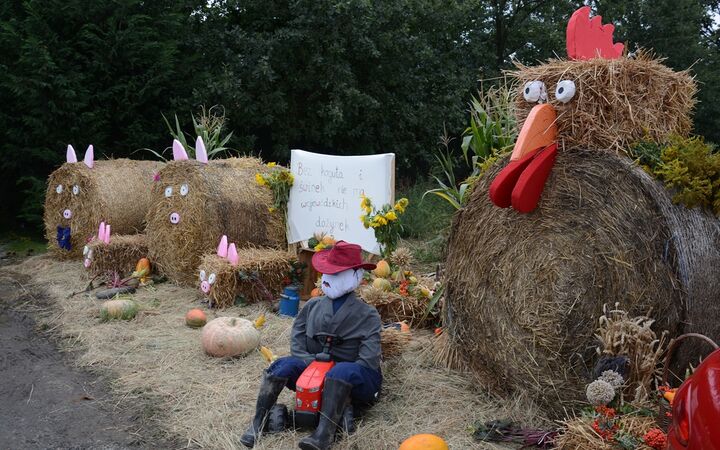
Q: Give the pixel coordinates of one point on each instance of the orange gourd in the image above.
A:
(195, 318)
(317, 292)
(143, 264)
(424, 442)
(229, 336)
(382, 269)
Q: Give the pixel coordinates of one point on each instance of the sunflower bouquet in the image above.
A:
(279, 180)
(384, 221)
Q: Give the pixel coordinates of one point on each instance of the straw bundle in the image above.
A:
(120, 255)
(525, 291)
(222, 197)
(114, 191)
(257, 277)
(394, 307)
(393, 342)
(617, 102)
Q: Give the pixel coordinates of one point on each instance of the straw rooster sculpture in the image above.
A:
(520, 184)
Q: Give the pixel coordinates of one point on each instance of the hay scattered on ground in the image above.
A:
(579, 435)
(120, 255)
(258, 277)
(525, 291)
(394, 342)
(223, 198)
(617, 102)
(115, 191)
(157, 362)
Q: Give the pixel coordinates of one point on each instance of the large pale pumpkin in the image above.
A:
(118, 309)
(229, 336)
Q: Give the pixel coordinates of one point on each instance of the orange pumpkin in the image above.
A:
(143, 264)
(317, 292)
(229, 336)
(195, 318)
(424, 442)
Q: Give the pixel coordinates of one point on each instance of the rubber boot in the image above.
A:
(269, 390)
(334, 400)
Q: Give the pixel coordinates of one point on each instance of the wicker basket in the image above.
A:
(665, 409)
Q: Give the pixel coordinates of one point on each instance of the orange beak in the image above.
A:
(539, 131)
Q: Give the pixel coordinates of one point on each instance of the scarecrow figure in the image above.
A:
(356, 328)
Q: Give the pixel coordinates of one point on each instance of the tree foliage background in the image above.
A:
(353, 76)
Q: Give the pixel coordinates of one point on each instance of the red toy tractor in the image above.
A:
(308, 395)
(696, 409)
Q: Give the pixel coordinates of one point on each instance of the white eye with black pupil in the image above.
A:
(86, 249)
(565, 90)
(168, 191)
(535, 91)
(76, 189)
(59, 189)
(211, 278)
(202, 275)
(184, 190)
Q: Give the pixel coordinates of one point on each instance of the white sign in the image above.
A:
(325, 196)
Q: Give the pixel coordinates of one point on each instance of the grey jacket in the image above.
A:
(356, 323)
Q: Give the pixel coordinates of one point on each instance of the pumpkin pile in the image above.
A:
(397, 293)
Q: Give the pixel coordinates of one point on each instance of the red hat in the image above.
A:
(342, 256)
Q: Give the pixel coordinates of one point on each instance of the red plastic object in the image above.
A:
(530, 185)
(696, 409)
(588, 38)
(502, 186)
(309, 386)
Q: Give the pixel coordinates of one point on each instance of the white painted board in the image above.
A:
(326, 193)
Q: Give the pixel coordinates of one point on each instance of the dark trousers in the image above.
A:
(366, 382)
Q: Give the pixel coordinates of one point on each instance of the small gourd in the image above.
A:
(118, 310)
(195, 318)
(424, 442)
(382, 270)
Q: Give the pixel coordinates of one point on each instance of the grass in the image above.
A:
(22, 244)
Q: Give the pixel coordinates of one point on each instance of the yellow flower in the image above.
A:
(271, 164)
(378, 221)
(260, 180)
(271, 209)
(401, 205)
(390, 216)
(319, 247)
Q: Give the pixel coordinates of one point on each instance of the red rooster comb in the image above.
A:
(587, 39)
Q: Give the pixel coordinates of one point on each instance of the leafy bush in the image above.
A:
(691, 167)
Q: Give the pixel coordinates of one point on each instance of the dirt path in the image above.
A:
(46, 403)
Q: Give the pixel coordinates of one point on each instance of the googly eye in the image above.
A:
(565, 90)
(76, 190)
(535, 91)
(86, 250)
(168, 191)
(59, 188)
(90, 254)
(202, 275)
(211, 278)
(184, 190)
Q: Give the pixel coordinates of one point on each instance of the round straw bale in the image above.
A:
(115, 191)
(617, 102)
(525, 291)
(221, 197)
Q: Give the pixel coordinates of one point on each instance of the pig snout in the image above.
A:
(67, 214)
(87, 263)
(205, 287)
(174, 218)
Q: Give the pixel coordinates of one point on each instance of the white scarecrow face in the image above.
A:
(339, 284)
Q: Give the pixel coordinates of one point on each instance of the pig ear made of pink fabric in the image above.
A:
(339, 284)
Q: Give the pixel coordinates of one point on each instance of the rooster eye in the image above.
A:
(211, 278)
(535, 91)
(184, 190)
(565, 90)
(202, 275)
(168, 191)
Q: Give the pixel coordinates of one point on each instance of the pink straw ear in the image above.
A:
(200, 151)
(89, 157)
(70, 155)
(179, 153)
(222, 250)
(233, 255)
(107, 233)
(101, 232)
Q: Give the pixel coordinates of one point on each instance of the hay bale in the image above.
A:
(393, 342)
(394, 307)
(120, 255)
(222, 198)
(257, 277)
(114, 191)
(617, 102)
(525, 291)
